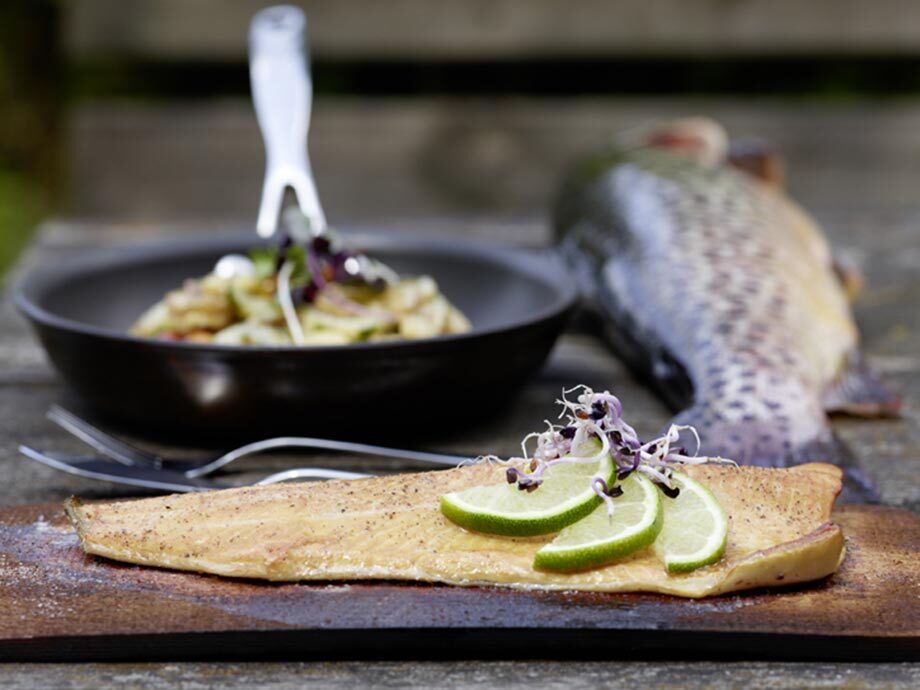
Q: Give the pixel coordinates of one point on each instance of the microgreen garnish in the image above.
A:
(318, 265)
(264, 261)
(287, 304)
(598, 417)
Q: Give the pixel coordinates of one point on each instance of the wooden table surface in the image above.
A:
(886, 244)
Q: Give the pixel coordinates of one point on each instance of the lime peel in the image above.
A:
(565, 496)
(592, 418)
(695, 530)
(601, 537)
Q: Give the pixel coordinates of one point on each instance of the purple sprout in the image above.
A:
(599, 416)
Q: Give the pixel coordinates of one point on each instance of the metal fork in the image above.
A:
(282, 91)
(131, 456)
(168, 480)
(108, 445)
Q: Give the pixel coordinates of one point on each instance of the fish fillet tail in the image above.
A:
(765, 443)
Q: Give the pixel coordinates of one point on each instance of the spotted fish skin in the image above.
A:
(720, 290)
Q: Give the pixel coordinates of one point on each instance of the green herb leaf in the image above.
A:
(298, 256)
(265, 259)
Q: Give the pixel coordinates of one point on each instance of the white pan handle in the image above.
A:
(283, 95)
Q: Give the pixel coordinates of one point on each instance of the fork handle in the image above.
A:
(309, 473)
(282, 92)
(324, 444)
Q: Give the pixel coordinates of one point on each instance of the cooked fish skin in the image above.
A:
(392, 528)
(721, 291)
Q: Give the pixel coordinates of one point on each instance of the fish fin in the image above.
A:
(850, 276)
(858, 391)
(759, 159)
(764, 442)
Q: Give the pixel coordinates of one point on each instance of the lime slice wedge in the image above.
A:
(564, 497)
(695, 528)
(600, 537)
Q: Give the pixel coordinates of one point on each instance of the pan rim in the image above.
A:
(523, 260)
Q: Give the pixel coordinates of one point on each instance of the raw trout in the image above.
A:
(721, 291)
(392, 528)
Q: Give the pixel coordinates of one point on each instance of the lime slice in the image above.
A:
(695, 528)
(564, 497)
(600, 537)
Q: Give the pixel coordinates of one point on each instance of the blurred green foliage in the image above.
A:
(22, 206)
(29, 118)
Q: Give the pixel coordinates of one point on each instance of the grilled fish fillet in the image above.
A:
(392, 528)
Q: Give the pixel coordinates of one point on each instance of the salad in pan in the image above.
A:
(316, 292)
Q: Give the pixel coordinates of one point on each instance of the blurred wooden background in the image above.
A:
(438, 156)
(396, 154)
(466, 108)
(490, 28)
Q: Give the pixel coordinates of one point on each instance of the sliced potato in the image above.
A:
(199, 337)
(356, 327)
(428, 320)
(427, 287)
(193, 308)
(213, 284)
(363, 294)
(407, 295)
(252, 333)
(245, 310)
(326, 338)
(457, 321)
(385, 337)
(331, 298)
(251, 303)
(153, 321)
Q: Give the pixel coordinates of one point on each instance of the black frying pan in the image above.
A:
(517, 301)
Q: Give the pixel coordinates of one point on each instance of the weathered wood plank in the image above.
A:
(464, 675)
(383, 159)
(216, 29)
(891, 448)
(95, 610)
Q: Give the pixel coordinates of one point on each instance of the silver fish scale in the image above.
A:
(734, 281)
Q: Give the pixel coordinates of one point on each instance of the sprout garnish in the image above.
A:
(319, 264)
(287, 304)
(598, 417)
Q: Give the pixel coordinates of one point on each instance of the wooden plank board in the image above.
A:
(883, 238)
(472, 29)
(58, 604)
(385, 159)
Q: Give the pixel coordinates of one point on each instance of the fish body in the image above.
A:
(392, 528)
(721, 291)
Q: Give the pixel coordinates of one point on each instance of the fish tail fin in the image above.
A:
(766, 443)
(857, 390)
